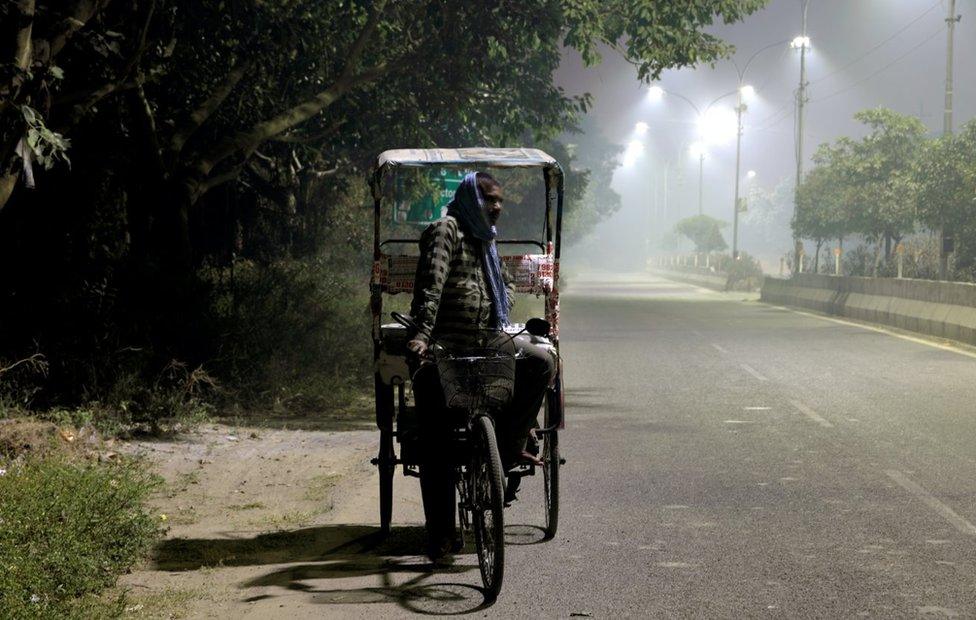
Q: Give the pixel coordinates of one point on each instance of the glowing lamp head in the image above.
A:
(800, 42)
(748, 92)
(655, 93)
(751, 174)
(641, 128)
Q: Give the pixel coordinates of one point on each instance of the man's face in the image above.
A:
(493, 204)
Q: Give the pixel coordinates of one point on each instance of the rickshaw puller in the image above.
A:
(460, 292)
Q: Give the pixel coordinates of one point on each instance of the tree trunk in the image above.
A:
(7, 184)
(877, 258)
(816, 260)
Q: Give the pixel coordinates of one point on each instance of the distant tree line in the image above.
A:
(185, 180)
(894, 185)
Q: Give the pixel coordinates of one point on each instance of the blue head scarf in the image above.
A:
(468, 207)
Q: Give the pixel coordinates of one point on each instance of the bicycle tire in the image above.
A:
(550, 468)
(488, 507)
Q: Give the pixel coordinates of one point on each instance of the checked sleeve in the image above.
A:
(438, 244)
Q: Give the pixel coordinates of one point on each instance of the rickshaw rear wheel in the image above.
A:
(386, 459)
(551, 462)
(487, 506)
(387, 467)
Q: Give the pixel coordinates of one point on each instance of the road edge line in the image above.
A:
(950, 515)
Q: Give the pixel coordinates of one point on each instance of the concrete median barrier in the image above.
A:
(941, 309)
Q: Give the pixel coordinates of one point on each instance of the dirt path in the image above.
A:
(254, 514)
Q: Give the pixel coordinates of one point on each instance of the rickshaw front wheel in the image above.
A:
(488, 506)
(551, 461)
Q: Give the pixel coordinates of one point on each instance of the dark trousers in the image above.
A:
(533, 370)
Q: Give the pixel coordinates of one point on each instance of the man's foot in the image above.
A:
(527, 458)
(442, 550)
(511, 489)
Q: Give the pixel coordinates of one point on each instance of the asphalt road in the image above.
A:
(727, 459)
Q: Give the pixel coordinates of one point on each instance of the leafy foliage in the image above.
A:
(865, 186)
(946, 179)
(67, 531)
(704, 231)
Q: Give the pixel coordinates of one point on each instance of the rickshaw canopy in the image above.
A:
(474, 157)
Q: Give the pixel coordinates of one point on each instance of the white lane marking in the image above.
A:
(752, 371)
(932, 502)
(740, 421)
(881, 330)
(720, 349)
(810, 413)
(757, 408)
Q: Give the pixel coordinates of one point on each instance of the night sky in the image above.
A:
(865, 53)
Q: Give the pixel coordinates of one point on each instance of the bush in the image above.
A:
(67, 531)
(296, 335)
(744, 274)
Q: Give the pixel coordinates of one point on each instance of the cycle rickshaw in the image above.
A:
(537, 272)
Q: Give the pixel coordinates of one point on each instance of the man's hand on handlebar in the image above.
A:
(418, 347)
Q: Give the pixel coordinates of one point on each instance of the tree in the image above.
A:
(822, 212)
(765, 227)
(945, 175)
(704, 231)
(879, 177)
(591, 160)
(868, 185)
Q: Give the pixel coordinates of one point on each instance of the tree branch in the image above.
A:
(146, 123)
(355, 55)
(100, 93)
(246, 141)
(220, 179)
(308, 138)
(199, 116)
(22, 51)
(78, 17)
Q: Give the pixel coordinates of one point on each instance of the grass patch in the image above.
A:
(283, 521)
(67, 531)
(183, 515)
(169, 603)
(251, 506)
(320, 487)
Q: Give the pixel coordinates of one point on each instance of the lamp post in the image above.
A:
(744, 91)
(698, 149)
(656, 93)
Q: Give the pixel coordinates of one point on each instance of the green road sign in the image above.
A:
(432, 207)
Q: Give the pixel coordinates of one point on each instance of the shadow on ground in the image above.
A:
(316, 558)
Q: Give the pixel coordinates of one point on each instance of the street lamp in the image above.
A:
(751, 174)
(744, 92)
(655, 93)
(641, 128)
(709, 127)
(800, 42)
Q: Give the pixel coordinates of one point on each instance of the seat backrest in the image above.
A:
(395, 273)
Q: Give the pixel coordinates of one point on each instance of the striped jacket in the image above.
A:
(451, 298)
